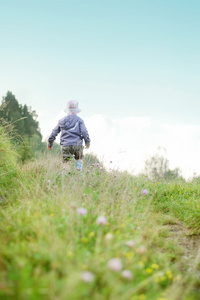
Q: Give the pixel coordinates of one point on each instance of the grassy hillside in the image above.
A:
(97, 235)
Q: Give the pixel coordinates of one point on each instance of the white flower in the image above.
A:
(115, 264)
(87, 276)
(109, 236)
(142, 249)
(130, 243)
(101, 220)
(49, 181)
(82, 211)
(127, 274)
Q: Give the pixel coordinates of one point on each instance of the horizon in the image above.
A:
(133, 60)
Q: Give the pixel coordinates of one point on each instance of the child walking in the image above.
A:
(73, 132)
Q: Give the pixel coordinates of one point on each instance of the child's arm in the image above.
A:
(85, 134)
(52, 136)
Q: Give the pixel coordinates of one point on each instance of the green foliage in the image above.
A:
(46, 244)
(8, 163)
(23, 118)
(157, 168)
(182, 199)
(25, 131)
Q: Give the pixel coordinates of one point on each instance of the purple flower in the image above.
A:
(101, 220)
(115, 264)
(49, 181)
(82, 211)
(145, 192)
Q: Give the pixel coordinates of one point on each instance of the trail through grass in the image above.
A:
(50, 249)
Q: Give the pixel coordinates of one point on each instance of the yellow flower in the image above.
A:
(163, 278)
(51, 215)
(155, 266)
(91, 234)
(142, 297)
(69, 254)
(169, 274)
(123, 226)
(35, 214)
(84, 267)
(108, 224)
(149, 270)
(84, 240)
(129, 255)
(161, 299)
(141, 263)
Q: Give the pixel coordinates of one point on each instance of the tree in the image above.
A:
(157, 167)
(26, 131)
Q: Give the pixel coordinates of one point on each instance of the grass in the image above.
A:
(46, 246)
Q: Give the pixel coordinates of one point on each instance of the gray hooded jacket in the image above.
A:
(73, 131)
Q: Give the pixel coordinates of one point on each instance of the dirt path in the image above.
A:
(189, 264)
(190, 245)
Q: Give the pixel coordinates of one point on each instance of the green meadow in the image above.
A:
(96, 234)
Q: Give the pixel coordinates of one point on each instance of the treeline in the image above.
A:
(21, 123)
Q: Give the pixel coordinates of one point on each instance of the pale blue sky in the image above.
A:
(118, 58)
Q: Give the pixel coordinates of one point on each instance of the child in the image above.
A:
(73, 131)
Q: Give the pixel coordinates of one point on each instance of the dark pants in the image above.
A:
(72, 151)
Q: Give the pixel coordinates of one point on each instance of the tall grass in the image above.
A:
(8, 164)
(47, 246)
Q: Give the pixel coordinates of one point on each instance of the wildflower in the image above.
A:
(149, 270)
(69, 254)
(123, 226)
(101, 220)
(82, 211)
(84, 240)
(163, 278)
(141, 263)
(91, 234)
(142, 297)
(109, 236)
(155, 266)
(127, 274)
(129, 255)
(130, 243)
(55, 187)
(169, 274)
(115, 264)
(49, 181)
(51, 215)
(98, 165)
(87, 276)
(84, 267)
(142, 249)
(145, 192)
